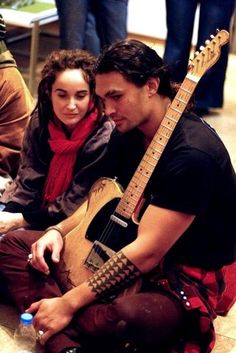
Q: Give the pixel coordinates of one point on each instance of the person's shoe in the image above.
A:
(72, 350)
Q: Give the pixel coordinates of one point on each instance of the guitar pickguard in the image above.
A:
(98, 255)
(107, 227)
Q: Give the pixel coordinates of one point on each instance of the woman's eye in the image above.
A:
(61, 95)
(81, 96)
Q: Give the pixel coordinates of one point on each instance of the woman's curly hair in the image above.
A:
(56, 62)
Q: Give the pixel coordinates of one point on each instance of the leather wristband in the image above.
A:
(117, 274)
(55, 228)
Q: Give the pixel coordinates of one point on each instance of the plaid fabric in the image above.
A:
(2, 28)
(200, 292)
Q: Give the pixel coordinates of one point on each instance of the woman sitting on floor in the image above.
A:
(63, 146)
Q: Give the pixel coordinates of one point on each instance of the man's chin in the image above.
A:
(122, 128)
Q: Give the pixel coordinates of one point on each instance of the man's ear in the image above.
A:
(152, 85)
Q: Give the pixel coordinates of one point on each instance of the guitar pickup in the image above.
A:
(97, 256)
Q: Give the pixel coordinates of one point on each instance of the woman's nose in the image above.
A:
(71, 104)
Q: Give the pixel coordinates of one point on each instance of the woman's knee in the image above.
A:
(18, 240)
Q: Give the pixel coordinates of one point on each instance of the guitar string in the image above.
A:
(105, 235)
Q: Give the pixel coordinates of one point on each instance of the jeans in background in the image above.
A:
(91, 24)
(214, 14)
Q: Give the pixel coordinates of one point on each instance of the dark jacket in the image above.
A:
(35, 160)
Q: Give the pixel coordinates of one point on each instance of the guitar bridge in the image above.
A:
(97, 256)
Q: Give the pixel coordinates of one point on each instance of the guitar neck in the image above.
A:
(135, 189)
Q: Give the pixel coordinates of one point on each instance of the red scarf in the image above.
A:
(65, 150)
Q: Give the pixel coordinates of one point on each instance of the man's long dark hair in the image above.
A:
(137, 62)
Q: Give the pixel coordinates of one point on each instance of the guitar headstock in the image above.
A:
(208, 54)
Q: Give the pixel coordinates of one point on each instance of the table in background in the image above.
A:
(32, 16)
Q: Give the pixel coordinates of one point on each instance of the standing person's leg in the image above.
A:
(92, 41)
(72, 22)
(214, 14)
(111, 17)
(180, 16)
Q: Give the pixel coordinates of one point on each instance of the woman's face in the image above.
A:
(70, 97)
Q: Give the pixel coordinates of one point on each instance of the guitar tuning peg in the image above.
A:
(207, 42)
(196, 53)
(202, 47)
(217, 30)
(190, 64)
(211, 36)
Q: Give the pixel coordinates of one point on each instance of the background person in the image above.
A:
(16, 105)
(180, 17)
(91, 24)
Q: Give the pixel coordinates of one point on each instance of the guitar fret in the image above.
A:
(124, 213)
(176, 110)
(181, 100)
(137, 185)
(136, 179)
(172, 118)
(166, 132)
(185, 90)
(150, 163)
(167, 127)
(155, 151)
(142, 173)
(133, 196)
(162, 144)
(130, 203)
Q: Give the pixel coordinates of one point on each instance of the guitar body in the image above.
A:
(80, 259)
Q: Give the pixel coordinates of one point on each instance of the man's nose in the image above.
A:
(109, 109)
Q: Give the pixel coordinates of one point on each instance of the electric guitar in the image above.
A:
(109, 222)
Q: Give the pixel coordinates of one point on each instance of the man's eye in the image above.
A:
(116, 98)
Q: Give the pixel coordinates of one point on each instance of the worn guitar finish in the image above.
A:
(109, 222)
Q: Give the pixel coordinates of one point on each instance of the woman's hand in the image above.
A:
(52, 315)
(10, 221)
(51, 241)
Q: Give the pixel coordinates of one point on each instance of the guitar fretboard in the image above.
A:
(135, 189)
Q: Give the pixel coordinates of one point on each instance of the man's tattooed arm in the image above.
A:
(116, 274)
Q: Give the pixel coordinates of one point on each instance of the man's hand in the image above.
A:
(51, 241)
(10, 221)
(52, 315)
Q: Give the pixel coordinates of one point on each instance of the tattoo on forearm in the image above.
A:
(116, 274)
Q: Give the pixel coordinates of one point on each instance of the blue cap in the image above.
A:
(26, 318)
